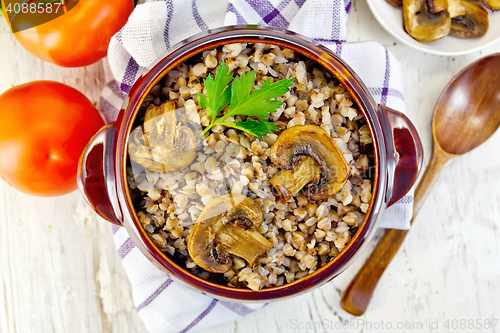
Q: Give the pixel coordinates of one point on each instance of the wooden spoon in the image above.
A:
(466, 115)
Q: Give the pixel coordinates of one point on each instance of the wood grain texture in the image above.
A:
(467, 109)
(59, 270)
(359, 292)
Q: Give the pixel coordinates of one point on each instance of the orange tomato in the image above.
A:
(78, 38)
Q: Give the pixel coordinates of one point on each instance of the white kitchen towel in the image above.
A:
(166, 305)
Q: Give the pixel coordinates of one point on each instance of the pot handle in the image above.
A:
(408, 152)
(91, 175)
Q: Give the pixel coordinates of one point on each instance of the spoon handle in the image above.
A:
(359, 293)
(439, 160)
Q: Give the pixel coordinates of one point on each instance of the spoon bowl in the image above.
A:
(466, 114)
(468, 111)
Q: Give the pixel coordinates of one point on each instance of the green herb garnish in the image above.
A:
(243, 102)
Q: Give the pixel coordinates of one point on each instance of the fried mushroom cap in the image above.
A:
(436, 6)
(311, 162)
(474, 23)
(160, 144)
(227, 226)
(493, 5)
(456, 8)
(423, 25)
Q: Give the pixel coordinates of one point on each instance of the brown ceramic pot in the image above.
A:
(397, 149)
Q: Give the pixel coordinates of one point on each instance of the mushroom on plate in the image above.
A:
(227, 226)
(473, 23)
(454, 7)
(436, 6)
(310, 161)
(429, 20)
(493, 5)
(160, 144)
(423, 25)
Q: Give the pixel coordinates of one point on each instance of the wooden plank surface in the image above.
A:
(59, 270)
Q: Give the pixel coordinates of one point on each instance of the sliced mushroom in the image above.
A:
(436, 6)
(227, 226)
(456, 8)
(311, 162)
(474, 23)
(493, 5)
(290, 182)
(160, 144)
(421, 24)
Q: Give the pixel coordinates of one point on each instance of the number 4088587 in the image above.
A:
(40, 7)
(471, 323)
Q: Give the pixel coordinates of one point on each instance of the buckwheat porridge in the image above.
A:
(235, 208)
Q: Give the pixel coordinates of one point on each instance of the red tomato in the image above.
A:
(44, 126)
(78, 38)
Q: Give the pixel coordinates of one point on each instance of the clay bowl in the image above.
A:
(397, 155)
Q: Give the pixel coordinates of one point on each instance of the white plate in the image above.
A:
(391, 19)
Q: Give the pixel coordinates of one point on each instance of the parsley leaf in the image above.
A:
(242, 100)
(218, 91)
(255, 127)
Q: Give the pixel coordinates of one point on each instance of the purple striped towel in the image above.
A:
(166, 305)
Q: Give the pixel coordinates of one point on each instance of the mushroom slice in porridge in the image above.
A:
(161, 144)
(310, 161)
(227, 227)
